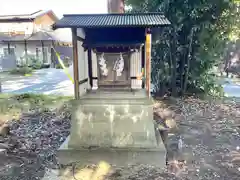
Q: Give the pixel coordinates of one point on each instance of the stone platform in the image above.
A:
(116, 127)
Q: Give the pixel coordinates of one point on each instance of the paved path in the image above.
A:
(55, 81)
(44, 81)
(231, 87)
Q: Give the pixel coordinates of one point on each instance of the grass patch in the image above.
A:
(12, 106)
(22, 71)
(27, 75)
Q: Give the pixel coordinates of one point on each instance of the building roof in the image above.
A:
(38, 36)
(7, 37)
(112, 20)
(51, 36)
(24, 17)
(3, 37)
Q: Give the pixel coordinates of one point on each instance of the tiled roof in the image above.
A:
(24, 17)
(112, 20)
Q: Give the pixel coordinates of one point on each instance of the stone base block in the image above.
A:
(113, 156)
(116, 127)
(113, 119)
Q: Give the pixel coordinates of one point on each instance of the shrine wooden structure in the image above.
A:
(112, 33)
(113, 109)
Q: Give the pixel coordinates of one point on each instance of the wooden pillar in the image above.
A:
(90, 67)
(148, 45)
(9, 48)
(75, 63)
(143, 67)
(25, 49)
(53, 59)
(43, 50)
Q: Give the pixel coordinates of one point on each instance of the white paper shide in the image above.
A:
(119, 65)
(103, 65)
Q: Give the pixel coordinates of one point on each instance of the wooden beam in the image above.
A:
(80, 38)
(83, 81)
(75, 63)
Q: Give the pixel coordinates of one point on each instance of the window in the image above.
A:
(5, 51)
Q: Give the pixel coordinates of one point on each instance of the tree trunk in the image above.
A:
(189, 57)
(173, 62)
(182, 65)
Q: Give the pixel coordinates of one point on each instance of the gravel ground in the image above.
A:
(211, 144)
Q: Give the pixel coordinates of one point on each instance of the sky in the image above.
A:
(59, 7)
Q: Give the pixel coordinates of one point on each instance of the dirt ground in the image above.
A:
(210, 130)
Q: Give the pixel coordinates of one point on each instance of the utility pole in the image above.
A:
(0, 86)
(116, 6)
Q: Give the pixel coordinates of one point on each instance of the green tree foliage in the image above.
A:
(184, 54)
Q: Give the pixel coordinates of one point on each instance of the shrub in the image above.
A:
(22, 70)
(45, 65)
(58, 66)
(37, 66)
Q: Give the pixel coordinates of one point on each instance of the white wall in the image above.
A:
(94, 70)
(27, 27)
(135, 69)
(82, 64)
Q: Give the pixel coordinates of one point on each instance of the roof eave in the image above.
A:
(10, 20)
(54, 27)
(115, 14)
